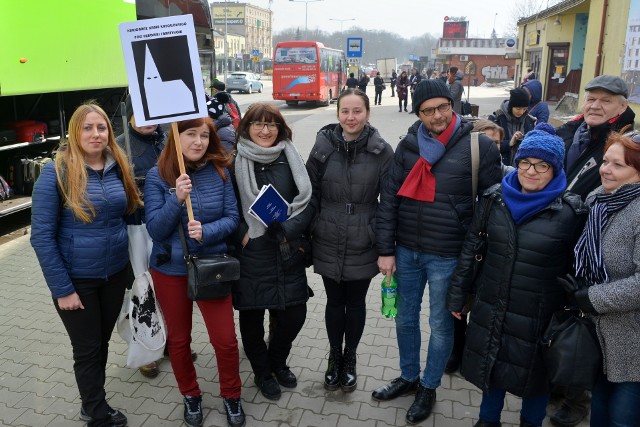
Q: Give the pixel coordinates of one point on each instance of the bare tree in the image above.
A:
(524, 9)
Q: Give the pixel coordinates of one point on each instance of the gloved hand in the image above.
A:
(577, 293)
(274, 231)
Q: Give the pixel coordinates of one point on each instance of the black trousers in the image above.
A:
(288, 324)
(378, 97)
(90, 331)
(346, 311)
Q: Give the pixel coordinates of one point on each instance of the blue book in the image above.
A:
(269, 206)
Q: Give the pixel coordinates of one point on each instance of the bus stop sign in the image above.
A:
(354, 47)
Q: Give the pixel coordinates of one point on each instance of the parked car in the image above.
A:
(244, 81)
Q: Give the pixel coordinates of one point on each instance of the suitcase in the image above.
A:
(17, 172)
(30, 131)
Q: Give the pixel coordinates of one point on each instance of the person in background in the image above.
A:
(496, 134)
(231, 107)
(216, 107)
(378, 83)
(402, 88)
(392, 82)
(531, 228)
(414, 79)
(605, 109)
(80, 205)
(529, 76)
(425, 210)
(208, 183)
(606, 285)
(512, 117)
(352, 82)
(347, 167)
(456, 88)
(537, 107)
(273, 275)
(363, 82)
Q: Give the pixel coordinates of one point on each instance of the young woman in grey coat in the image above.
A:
(347, 165)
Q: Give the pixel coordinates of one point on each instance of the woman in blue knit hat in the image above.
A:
(531, 226)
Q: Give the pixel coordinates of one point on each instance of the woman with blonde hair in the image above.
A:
(80, 238)
(208, 184)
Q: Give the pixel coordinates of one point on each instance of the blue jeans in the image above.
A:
(533, 411)
(413, 271)
(615, 404)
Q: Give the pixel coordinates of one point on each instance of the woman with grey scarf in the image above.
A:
(272, 256)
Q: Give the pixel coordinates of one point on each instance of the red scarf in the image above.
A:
(420, 184)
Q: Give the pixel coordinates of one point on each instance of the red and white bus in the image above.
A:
(307, 71)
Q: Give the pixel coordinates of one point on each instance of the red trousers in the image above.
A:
(177, 310)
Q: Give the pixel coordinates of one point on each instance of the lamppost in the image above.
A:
(226, 45)
(306, 10)
(341, 21)
(494, 34)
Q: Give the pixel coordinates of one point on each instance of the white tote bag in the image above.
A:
(140, 323)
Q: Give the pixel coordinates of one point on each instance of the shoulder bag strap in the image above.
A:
(475, 165)
(183, 240)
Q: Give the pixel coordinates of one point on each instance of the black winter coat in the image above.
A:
(265, 281)
(511, 124)
(584, 175)
(346, 180)
(516, 291)
(436, 227)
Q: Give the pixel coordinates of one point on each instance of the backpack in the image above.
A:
(232, 111)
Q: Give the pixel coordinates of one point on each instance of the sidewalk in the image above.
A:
(37, 386)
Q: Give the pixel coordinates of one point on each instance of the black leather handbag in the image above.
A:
(571, 350)
(209, 276)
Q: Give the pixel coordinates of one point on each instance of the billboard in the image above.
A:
(455, 30)
(234, 15)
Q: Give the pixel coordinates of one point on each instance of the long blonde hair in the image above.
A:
(72, 171)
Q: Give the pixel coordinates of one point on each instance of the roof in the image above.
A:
(552, 11)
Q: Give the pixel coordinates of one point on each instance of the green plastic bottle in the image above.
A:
(389, 300)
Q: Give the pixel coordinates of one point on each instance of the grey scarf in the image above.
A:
(250, 153)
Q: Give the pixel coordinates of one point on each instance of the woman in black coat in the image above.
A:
(347, 166)
(402, 87)
(272, 254)
(531, 228)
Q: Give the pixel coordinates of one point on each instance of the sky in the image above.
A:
(407, 18)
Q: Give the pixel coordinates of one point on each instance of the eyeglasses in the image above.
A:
(540, 167)
(634, 136)
(443, 108)
(260, 125)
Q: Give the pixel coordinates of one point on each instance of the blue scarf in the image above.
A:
(522, 205)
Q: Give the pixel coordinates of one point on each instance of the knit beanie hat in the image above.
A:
(518, 98)
(428, 89)
(543, 143)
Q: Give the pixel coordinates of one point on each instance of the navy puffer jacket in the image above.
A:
(437, 227)
(516, 291)
(68, 248)
(214, 205)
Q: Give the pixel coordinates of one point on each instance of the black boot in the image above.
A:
(481, 423)
(349, 379)
(422, 405)
(571, 412)
(334, 370)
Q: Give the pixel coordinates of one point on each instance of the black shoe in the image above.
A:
(453, 363)
(422, 406)
(334, 369)
(396, 388)
(286, 378)
(569, 414)
(348, 378)
(235, 413)
(193, 411)
(481, 423)
(268, 387)
(405, 110)
(118, 419)
(400, 110)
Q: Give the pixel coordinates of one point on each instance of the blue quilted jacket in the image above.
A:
(214, 205)
(69, 248)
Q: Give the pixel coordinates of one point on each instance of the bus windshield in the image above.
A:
(296, 55)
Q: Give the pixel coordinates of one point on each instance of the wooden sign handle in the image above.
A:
(176, 140)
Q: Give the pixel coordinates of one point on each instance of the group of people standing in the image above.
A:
(360, 209)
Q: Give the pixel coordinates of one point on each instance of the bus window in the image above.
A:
(296, 55)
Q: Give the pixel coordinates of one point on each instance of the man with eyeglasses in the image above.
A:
(605, 109)
(425, 209)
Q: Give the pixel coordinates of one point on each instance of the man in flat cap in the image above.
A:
(605, 110)
(425, 209)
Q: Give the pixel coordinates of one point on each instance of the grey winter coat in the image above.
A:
(618, 301)
(346, 178)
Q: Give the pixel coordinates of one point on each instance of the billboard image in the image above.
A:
(455, 30)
